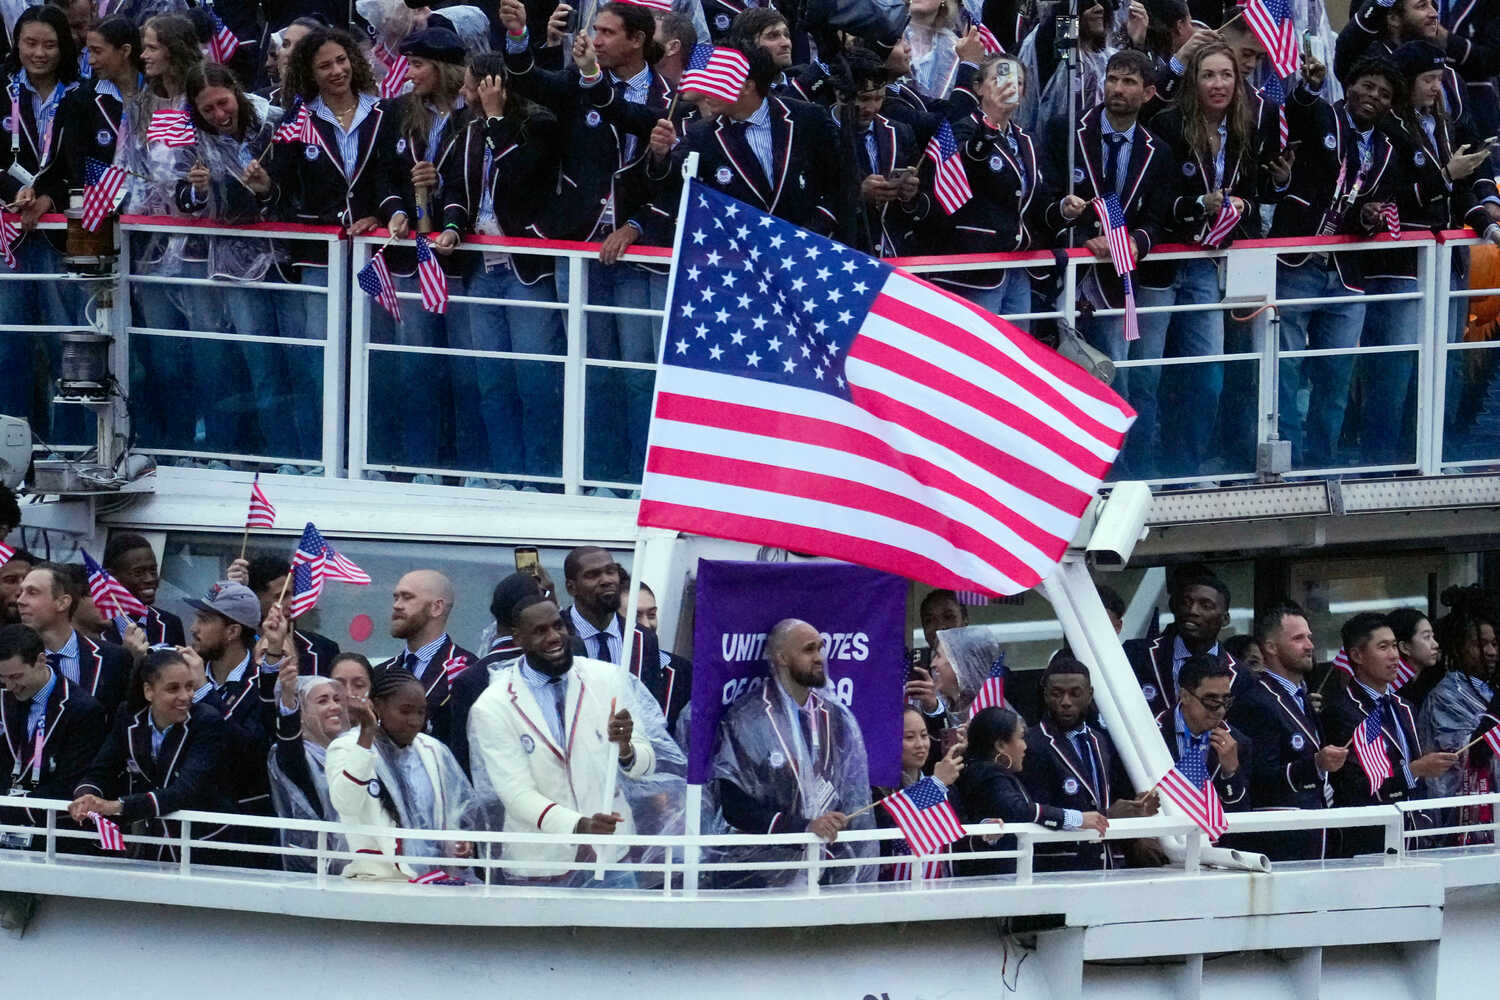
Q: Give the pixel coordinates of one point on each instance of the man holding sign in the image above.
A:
(543, 738)
(789, 758)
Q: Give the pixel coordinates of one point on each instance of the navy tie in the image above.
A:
(1112, 163)
(54, 660)
(411, 663)
(560, 700)
(1086, 755)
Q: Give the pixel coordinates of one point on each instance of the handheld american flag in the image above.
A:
(394, 80)
(171, 127)
(987, 38)
(9, 234)
(1404, 673)
(1121, 254)
(336, 567)
(815, 398)
(925, 816)
(431, 277)
(1274, 91)
(718, 72)
(296, 126)
(375, 279)
(1191, 788)
(991, 693)
(1492, 734)
(949, 181)
(1341, 662)
(108, 593)
(109, 833)
(1223, 224)
(307, 581)
(102, 183)
(1369, 747)
(1391, 217)
(455, 665)
(224, 43)
(261, 514)
(1271, 20)
(5, 553)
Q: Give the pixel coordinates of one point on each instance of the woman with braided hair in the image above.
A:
(1455, 709)
(386, 772)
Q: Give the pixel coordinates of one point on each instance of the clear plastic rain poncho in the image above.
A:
(393, 21)
(1449, 716)
(762, 748)
(289, 795)
(971, 650)
(657, 800)
(236, 258)
(429, 790)
(154, 170)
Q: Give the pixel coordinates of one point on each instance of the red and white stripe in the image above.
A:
(9, 234)
(964, 458)
(992, 44)
(394, 81)
(1223, 223)
(436, 875)
(430, 277)
(341, 568)
(1372, 756)
(723, 76)
(455, 665)
(927, 830)
(1201, 805)
(109, 833)
(1492, 735)
(110, 595)
(1391, 217)
(1274, 28)
(261, 514)
(171, 127)
(991, 694)
(5, 553)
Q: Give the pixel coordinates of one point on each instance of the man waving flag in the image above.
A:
(823, 401)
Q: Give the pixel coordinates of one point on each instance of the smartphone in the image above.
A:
(1005, 73)
(897, 175)
(951, 738)
(574, 16)
(527, 561)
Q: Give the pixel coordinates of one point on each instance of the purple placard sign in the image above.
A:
(862, 615)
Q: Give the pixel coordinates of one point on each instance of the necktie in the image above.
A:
(560, 701)
(411, 662)
(1112, 178)
(54, 660)
(1086, 754)
(601, 647)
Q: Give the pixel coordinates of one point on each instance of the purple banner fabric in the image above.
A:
(862, 615)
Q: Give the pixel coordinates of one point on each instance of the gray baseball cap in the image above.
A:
(234, 601)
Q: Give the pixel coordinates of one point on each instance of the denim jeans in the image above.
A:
(1188, 395)
(509, 413)
(1011, 297)
(1137, 385)
(26, 382)
(1315, 439)
(1388, 380)
(617, 403)
(283, 418)
(407, 434)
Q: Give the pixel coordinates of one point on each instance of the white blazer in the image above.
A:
(353, 772)
(545, 787)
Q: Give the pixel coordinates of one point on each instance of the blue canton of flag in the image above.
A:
(375, 280)
(1194, 763)
(1121, 254)
(700, 56)
(1274, 91)
(764, 299)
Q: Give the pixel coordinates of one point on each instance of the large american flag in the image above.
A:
(1369, 747)
(1191, 788)
(1271, 20)
(949, 182)
(10, 233)
(375, 280)
(925, 816)
(171, 127)
(813, 398)
(108, 593)
(1121, 254)
(224, 43)
(718, 72)
(261, 513)
(991, 693)
(101, 186)
(431, 278)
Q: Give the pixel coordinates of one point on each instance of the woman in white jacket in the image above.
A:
(386, 772)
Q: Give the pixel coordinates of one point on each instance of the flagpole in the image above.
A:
(245, 539)
(285, 582)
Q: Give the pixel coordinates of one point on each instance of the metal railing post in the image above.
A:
(575, 375)
(1431, 336)
(1026, 862)
(185, 863)
(814, 866)
(321, 862)
(359, 364)
(338, 411)
(51, 853)
(1435, 405)
(1395, 839)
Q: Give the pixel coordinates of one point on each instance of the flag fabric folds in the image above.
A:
(991, 693)
(1223, 224)
(314, 563)
(1191, 787)
(261, 513)
(224, 43)
(375, 281)
(718, 72)
(101, 186)
(1271, 20)
(5, 553)
(1369, 747)
(108, 593)
(110, 838)
(431, 278)
(10, 233)
(949, 182)
(811, 397)
(1121, 254)
(171, 127)
(925, 816)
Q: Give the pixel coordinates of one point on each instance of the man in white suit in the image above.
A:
(540, 737)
